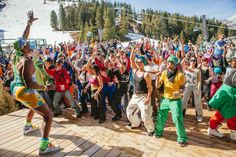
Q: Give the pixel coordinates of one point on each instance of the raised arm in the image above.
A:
(183, 63)
(88, 66)
(76, 66)
(196, 54)
(132, 59)
(31, 19)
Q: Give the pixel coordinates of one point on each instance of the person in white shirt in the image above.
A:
(193, 85)
(153, 70)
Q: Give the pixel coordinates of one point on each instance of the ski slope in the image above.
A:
(137, 38)
(13, 19)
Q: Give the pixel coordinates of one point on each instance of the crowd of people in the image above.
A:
(142, 81)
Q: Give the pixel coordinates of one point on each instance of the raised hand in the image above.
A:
(31, 17)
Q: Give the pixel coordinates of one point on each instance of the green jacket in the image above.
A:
(224, 101)
(42, 76)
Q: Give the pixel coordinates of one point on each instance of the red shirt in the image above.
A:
(100, 64)
(61, 78)
(128, 65)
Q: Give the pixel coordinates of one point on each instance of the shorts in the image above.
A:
(28, 97)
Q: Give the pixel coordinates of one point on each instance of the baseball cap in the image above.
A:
(173, 59)
(19, 43)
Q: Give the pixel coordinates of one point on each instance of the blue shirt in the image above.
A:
(186, 48)
(218, 44)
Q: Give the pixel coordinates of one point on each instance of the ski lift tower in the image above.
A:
(204, 27)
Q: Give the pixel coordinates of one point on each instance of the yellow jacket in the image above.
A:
(169, 87)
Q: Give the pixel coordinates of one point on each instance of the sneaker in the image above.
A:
(199, 119)
(156, 136)
(214, 132)
(79, 116)
(116, 118)
(95, 117)
(29, 129)
(233, 135)
(129, 124)
(49, 150)
(182, 144)
(134, 127)
(150, 133)
(101, 121)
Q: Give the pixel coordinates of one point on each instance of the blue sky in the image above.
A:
(220, 9)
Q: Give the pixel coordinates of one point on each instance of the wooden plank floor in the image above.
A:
(86, 137)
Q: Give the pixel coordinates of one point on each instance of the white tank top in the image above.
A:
(191, 77)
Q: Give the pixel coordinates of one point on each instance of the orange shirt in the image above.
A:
(157, 61)
(70, 52)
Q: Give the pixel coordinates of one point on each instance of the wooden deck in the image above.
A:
(85, 137)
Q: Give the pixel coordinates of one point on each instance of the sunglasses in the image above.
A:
(139, 62)
(192, 60)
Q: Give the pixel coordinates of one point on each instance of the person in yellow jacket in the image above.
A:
(173, 81)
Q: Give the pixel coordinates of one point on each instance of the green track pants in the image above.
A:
(175, 106)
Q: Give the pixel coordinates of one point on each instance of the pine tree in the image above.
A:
(54, 20)
(99, 18)
(71, 19)
(181, 35)
(79, 17)
(123, 27)
(109, 26)
(86, 30)
(153, 23)
(82, 34)
(62, 17)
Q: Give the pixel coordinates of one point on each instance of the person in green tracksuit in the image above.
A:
(43, 78)
(173, 81)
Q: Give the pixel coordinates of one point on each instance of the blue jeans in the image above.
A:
(80, 88)
(107, 91)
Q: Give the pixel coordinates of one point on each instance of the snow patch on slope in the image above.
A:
(13, 19)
